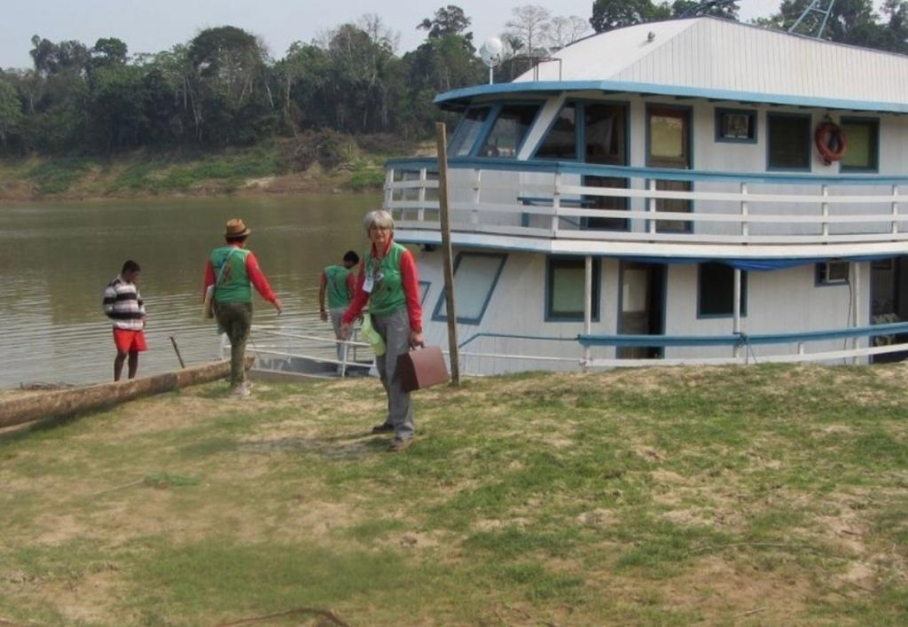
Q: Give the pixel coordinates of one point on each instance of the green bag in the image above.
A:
(372, 336)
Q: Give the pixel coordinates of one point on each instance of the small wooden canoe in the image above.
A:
(73, 401)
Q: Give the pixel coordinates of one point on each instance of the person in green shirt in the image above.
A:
(234, 271)
(338, 284)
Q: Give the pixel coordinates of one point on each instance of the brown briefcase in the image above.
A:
(421, 368)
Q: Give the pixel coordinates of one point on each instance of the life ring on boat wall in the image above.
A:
(831, 142)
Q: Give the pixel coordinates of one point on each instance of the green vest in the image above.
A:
(388, 293)
(234, 286)
(336, 281)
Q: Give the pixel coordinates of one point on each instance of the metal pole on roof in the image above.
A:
(441, 142)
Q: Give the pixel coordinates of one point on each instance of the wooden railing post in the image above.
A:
(587, 306)
(825, 212)
(477, 196)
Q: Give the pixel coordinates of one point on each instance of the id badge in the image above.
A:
(369, 284)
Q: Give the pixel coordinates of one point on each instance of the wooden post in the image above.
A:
(441, 142)
(736, 319)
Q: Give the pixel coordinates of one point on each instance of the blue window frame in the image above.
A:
(788, 144)
(423, 291)
(476, 275)
(594, 131)
(716, 291)
(833, 272)
(669, 137)
(507, 129)
(736, 126)
(565, 278)
(470, 128)
(863, 153)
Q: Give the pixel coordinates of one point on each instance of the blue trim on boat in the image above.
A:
(655, 89)
(742, 339)
(572, 167)
(510, 336)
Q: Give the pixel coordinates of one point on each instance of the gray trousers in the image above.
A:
(235, 319)
(395, 330)
(336, 315)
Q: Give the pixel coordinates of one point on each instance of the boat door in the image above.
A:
(641, 306)
(889, 301)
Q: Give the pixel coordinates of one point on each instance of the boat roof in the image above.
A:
(714, 59)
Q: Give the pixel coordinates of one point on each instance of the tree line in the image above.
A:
(222, 88)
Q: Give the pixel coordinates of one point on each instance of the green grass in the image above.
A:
(738, 496)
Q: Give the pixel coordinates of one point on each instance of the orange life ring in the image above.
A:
(831, 142)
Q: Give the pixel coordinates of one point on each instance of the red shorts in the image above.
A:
(129, 341)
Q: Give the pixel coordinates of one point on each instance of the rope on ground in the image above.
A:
(303, 611)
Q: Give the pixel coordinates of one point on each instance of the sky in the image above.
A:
(156, 25)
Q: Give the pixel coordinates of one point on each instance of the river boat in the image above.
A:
(694, 191)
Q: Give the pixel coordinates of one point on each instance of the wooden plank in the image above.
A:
(70, 402)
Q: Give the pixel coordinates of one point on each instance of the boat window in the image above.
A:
(668, 138)
(565, 279)
(605, 130)
(832, 273)
(716, 290)
(789, 141)
(561, 141)
(736, 125)
(863, 145)
(475, 277)
(509, 130)
(467, 131)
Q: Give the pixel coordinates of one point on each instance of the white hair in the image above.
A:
(380, 218)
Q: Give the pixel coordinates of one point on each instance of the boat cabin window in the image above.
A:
(605, 129)
(716, 290)
(736, 125)
(468, 131)
(476, 275)
(509, 130)
(863, 151)
(832, 273)
(789, 142)
(561, 141)
(565, 279)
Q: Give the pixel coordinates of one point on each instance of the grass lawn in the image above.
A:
(767, 495)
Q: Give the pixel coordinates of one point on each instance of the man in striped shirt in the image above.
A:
(124, 306)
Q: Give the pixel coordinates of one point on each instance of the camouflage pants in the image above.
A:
(235, 319)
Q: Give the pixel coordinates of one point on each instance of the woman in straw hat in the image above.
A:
(233, 271)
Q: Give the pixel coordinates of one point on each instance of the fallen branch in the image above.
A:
(303, 611)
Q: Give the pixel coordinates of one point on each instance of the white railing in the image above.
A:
(556, 201)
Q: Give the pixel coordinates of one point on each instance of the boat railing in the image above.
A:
(488, 352)
(574, 201)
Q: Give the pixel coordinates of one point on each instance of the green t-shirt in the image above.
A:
(234, 285)
(388, 291)
(339, 295)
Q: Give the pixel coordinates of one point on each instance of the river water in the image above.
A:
(57, 258)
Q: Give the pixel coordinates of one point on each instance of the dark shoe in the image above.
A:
(383, 428)
(398, 445)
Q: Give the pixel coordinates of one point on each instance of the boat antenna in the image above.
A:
(818, 7)
(702, 6)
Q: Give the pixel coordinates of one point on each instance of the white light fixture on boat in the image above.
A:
(491, 54)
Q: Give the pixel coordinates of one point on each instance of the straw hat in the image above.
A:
(236, 228)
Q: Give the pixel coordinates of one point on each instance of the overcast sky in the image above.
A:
(155, 25)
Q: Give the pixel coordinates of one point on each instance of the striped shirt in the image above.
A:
(123, 305)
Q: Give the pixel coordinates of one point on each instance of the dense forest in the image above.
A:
(223, 89)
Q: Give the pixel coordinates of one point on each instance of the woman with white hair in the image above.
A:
(389, 282)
